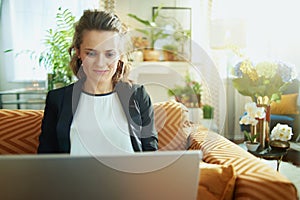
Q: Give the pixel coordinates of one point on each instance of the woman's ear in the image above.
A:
(77, 51)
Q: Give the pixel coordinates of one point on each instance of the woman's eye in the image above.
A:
(91, 53)
(110, 54)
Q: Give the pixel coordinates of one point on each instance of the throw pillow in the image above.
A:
(216, 181)
(287, 105)
(172, 124)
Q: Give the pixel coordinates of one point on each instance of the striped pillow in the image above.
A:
(172, 125)
(19, 131)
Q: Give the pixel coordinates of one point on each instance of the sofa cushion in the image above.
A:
(172, 125)
(19, 131)
(216, 181)
(287, 105)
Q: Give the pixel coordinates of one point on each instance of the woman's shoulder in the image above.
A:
(136, 86)
(60, 90)
(128, 89)
(56, 95)
(122, 85)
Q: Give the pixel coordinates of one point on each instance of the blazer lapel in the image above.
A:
(125, 93)
(70, 103)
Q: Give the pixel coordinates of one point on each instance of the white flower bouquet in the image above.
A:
(253, 113)
(281, 132)
(251, 118)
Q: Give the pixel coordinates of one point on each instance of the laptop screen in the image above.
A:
(153, 175)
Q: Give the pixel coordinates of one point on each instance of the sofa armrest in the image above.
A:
(255, 179)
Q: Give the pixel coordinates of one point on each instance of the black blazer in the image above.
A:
(61, 105)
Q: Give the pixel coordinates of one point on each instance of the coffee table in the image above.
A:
(270, 154)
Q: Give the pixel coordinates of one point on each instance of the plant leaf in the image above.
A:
(8, 50)
(145, 22)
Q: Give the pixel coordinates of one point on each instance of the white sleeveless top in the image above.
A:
(99, 126)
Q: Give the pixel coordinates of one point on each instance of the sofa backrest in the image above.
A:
(20, 129)
(172, 125)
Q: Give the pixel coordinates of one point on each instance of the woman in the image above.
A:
(101, 113)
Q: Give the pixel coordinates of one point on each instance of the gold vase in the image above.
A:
(263, 125)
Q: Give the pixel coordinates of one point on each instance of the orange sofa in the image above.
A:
(226, 171)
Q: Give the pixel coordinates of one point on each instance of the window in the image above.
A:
(270, 26)
(24, 24)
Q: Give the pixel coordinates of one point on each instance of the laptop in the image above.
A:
(148, 175)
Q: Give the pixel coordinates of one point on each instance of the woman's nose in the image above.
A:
(101, 61)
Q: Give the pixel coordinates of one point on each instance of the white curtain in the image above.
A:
(23, 25)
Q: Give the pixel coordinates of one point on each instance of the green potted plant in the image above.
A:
(152, 32)
(251, 144)
(208, 111)
(189, 94)
(55, 58)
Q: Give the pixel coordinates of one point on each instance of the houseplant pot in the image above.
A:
(170, 52)
(151, 54)
(169, 56)
(252, 146)
(251, 143)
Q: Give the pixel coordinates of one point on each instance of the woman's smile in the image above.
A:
(101, 71)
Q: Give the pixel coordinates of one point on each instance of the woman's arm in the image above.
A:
(149, 136)
(48, 137)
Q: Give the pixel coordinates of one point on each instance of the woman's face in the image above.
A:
(100, 54)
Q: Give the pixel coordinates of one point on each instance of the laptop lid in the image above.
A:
(153, 175)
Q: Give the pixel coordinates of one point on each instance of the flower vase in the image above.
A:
(263, 128)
